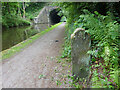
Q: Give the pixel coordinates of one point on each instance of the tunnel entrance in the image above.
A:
(54, 18)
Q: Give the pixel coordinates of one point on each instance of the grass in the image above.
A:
(17, 48)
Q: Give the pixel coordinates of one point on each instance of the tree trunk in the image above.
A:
(24, 9)
(19, 12)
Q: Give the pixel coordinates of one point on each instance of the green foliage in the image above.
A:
(63, 19)
(67, 50)
(19, 13)
(100, 23)
(11, 14)
(67, 45)
(9, 21)
(34, 9)
(78, 83)
(104, 34)
(41, 76)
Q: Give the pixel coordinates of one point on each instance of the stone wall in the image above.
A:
(80, 59)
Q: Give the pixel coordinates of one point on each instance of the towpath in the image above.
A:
(35, 66)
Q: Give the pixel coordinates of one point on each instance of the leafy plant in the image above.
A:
(105, 31)
(103, 26)
(41, 76)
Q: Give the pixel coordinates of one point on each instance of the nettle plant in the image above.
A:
(105, 38)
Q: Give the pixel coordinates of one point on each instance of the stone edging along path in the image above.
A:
(20, 46)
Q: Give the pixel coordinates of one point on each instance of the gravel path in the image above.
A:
(35, 66)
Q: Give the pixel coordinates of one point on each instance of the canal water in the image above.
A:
(13, 36)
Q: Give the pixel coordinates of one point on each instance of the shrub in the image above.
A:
(105, 38)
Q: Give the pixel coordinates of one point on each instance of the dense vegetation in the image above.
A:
(19, 13)
(101, 21)
(34, 9)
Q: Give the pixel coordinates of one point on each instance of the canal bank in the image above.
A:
(15, 35)
(20, 46)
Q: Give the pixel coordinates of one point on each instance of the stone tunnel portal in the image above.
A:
(54, 17)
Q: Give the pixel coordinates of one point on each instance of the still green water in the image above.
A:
(13, 36)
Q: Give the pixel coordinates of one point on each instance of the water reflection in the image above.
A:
(13, 36)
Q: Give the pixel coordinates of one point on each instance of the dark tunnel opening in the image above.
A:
(54, 18)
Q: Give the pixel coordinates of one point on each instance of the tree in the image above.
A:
(24, 6)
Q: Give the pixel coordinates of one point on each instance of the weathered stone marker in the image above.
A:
(80, 59)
